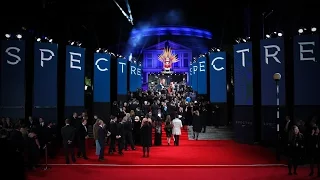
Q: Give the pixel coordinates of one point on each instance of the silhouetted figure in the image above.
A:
(101, 140)
(68, 137)
(196, 125)
(295, 146)
(146, 135)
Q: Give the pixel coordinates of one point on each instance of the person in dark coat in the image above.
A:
(120, 135)
(314, 153)
(204, 118)
(68, 136)
(128, 127)
(188, 114)
(216, 115)
(146, 135)
(168, 128)
(295, 147)
(158, 133)
(82, 136)
(101, 139)
(136, 130)
(196, 125)
(113, 130)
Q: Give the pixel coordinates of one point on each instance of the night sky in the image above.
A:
(99, 23)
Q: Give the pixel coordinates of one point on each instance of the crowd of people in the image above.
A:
(132, 123)
(302, 144)
(24, 142)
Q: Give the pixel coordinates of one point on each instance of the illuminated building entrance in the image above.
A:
(166, 62)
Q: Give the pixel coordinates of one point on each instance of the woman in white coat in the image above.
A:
(176, 130)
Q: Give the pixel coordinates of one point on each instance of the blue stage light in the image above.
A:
(175, 31)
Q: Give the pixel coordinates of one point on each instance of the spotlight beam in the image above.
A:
(129, 10)
(124, 13)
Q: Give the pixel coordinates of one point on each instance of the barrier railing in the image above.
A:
(46, 167)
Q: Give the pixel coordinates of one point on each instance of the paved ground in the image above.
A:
(212, 133)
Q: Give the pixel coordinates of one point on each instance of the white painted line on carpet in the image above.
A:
(160, 165)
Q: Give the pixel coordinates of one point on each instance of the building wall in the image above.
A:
(151, 62)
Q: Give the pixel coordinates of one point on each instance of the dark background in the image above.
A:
(99, 23)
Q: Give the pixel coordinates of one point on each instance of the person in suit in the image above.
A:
(128, 127)
(295, 146)
(101, 140)
(74, 120)
(113, 131)
(120, 135)
(83, 135)
(68, 136)
(146, 135)
(31, 123)
(176, 130)
(50, 139)
(196, 124)
(41, 131)
(95, 136)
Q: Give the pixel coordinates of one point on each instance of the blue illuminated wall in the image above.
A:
(174, 31)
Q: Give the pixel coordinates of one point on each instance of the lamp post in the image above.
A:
(277, 78)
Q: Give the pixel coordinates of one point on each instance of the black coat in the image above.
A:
(113, 128)
(295, 146)
(68, 134)
(83, 132)
(128, 126)
(146, 135)
(120, 129)
(101, 136)
(197, 123)
(188, 113)
(314, 146)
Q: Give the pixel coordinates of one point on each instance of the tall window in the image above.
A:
(148, 60)
(177, 64)
(186, 59)
(159, 63)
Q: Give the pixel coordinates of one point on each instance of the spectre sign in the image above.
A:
(98, 66)
(214, 66)
(18, 59)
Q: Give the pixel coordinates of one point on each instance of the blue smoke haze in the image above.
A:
(172, 17)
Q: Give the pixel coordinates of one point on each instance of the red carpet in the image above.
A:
(183, 137)
(102, 173)
(189, 152)
(191, 160)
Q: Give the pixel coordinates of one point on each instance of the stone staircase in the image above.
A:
(212, 133)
